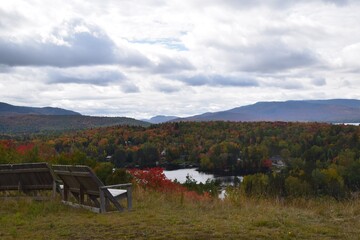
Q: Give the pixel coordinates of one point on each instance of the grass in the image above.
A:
(161, 216)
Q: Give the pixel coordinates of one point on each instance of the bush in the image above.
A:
(328, 182)
(256, 185)
(103, 171)
(210, 186)
(155, 179)
(119, 176)
(352, 176)
(296, 187)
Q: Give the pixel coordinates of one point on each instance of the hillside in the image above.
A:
(334, 110)
(11, 110)
(160, 216)
(50, 123)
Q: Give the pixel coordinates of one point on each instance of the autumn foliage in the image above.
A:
(155, 179)
(24, 148)
(313, 158)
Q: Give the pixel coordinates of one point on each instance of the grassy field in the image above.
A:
(160, 216)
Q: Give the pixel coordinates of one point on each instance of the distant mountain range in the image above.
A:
(23, 124)
(23, 120)
(333, 110)
(160, 119)
(16, 119)
(11, 110)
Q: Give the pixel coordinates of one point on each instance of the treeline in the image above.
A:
(316, 158)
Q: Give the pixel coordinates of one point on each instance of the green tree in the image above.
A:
(119, 176)
(352, 176)
(103, 170)
(296, 187)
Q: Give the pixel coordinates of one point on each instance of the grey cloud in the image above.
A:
(165, 88)
(92, 77)
(272, 57)
(318, 82)
(270, 54)
(278, 61)
(85, 49)
(5, 69)
(219, 80)
(101, 78)
(82, 48)
(280, 4)
(291, 85)
(283, 83)
(129, 87)
(172, 64)
(338, 2)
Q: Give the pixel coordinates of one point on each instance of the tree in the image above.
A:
(118, 176)
(296, 187)
(103, 171)
(352, 176)
(224, 155)
(119, 157)
(148, 155)
(256, 184)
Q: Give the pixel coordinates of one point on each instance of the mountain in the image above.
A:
(333, 110)
(24, 124)
(11, 110)
(22, 120)
(160, 119)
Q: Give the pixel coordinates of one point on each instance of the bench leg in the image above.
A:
(102, 202)
(66, 193)
(54, 190)
(129, 198)
(81, 195)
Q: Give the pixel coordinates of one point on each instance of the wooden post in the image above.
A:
(129, 198)
(66, 192)
(107, 203)
(102, 201)
(19, 186)
(81, 197)
(54, 189)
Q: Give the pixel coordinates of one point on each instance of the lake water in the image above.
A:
(355, 124)
(180, 176)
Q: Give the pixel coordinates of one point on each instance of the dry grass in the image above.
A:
(161, 216)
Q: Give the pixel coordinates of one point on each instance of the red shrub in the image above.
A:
(154, 178)
(267, 163)
(24, 148)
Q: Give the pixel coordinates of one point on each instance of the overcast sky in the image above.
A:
(176, 57)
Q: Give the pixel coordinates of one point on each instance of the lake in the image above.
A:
(180, 176)
(355, 124)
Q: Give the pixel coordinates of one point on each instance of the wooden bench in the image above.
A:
(27, 178)
(82, 182)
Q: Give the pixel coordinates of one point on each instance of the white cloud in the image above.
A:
(149, 57)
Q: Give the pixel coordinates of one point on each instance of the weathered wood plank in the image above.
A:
(29, 170)
(81, 181)
(25, 177)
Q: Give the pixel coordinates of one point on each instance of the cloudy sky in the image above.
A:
(175, 57)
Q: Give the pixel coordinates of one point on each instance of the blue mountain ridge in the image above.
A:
(332, 110)
(11, 110)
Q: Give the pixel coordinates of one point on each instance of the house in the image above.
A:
(277, 161)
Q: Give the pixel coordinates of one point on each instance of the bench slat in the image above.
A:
(81, 181)
(29, 170)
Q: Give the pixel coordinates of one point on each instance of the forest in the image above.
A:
(276, 158)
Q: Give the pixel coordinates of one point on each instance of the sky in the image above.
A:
(175, 57)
